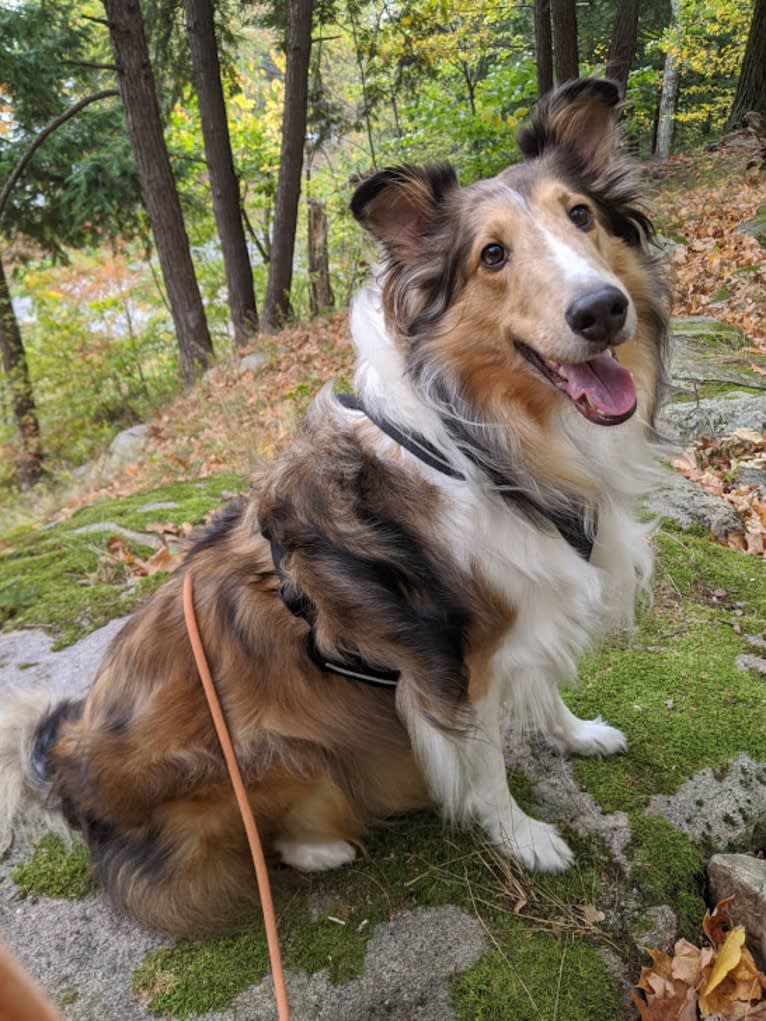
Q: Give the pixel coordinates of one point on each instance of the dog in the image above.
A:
(429, 555)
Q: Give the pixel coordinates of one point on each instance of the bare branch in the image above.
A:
(49, 128)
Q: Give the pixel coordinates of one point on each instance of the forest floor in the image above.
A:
(429, 924)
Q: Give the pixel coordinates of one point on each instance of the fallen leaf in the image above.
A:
(728, 958)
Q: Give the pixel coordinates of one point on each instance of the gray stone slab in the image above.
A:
(723, 811)
(677, 499)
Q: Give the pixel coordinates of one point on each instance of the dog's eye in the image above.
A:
(494, 256)
(581, 217)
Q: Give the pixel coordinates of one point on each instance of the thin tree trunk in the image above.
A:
(322, 297)
(622, 49)
(29, 459)
(543, 47)
(277, 306)
(751, 87)
(158, 186)
(206, 71)
(564, 19)
(669, 95)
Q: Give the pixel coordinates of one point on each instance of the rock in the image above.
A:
(158, 505)
(680, 500)
(756, 227)
(705, 331)
(713, 416)
(252, 363)
(124, 450)
(660, 929)
(704, 349)
(143, 538)
(744, 878)
(746, 476)
(722, 810)
(747, 661)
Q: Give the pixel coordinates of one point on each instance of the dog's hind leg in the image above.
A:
(316, 833)
(569, 733)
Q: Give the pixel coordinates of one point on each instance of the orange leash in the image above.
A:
(224, 738)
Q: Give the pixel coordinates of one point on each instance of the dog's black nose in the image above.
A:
(598, 315)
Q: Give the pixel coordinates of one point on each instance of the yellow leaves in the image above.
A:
(728, 958)
(718, 982)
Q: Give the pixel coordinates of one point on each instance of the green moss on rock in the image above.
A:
(48, 575)
(668, 869)
(55, 870)
(538, 976)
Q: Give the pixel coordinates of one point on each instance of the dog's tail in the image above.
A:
(25, 809)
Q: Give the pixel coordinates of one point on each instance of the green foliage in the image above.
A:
(55, 869)
(81, 185)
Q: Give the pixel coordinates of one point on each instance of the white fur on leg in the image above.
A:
(467, 777)
(568, 733)
(22, 807)
(315, 856)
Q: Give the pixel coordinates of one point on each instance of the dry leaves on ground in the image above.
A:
(714, 465)
(118, 560)
(719, 270)
(719, 982)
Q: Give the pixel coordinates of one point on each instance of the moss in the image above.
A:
(537, 976)
(676, 690)
(55, 870)
(668, 869)
(407, 866)
(47, 575)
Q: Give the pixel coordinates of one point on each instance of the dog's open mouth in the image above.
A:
(601, 389)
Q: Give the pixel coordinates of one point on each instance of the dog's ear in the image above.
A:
(400, 206)
(581, 116)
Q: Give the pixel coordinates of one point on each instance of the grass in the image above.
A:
(55, 870)
(49, 577)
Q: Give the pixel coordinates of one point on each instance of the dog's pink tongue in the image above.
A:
(607, 384)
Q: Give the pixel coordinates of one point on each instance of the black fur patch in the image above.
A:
(223, 523)
(47, 731)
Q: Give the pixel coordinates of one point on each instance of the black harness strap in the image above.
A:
(299, 604)
(422, 448)
(570, 524)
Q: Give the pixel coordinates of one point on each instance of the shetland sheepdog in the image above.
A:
(431, 555)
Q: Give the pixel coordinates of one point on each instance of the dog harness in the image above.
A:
(571, 526)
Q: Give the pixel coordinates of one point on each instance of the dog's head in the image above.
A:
(533, 287)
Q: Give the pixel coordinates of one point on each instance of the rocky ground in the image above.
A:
(429, 925)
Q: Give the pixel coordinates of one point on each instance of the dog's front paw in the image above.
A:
(593, 738)
(315, 856)
(538, 847)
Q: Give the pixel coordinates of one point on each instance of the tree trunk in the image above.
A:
(322, 297)
(206, 71)
(564, 18)
(751, 87)
(543, 47)
(158, 186)
(669, 94)
(622, 49)
(277, 306)
(29, 459)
